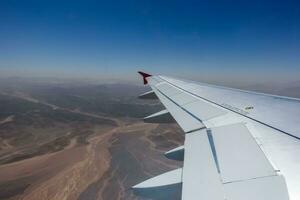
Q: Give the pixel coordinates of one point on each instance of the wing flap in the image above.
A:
(200, 175)
(239, 156)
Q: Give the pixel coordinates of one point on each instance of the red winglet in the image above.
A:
(145, 75)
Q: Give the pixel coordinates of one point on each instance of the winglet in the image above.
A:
(145, 75)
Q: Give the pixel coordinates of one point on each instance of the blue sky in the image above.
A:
(197, 39)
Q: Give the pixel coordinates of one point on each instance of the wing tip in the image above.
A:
(144, 75)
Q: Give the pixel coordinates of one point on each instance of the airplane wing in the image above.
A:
(239, 145)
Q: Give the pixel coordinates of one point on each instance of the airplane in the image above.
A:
(239, 145)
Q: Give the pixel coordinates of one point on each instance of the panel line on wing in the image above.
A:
(248, 179)
(213, 148)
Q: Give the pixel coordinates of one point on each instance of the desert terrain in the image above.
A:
(66, 141)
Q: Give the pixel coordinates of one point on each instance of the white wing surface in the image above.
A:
(239, 145)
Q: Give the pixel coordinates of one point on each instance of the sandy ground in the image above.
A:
(62, 175)
(113, 160)
(70, 172)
